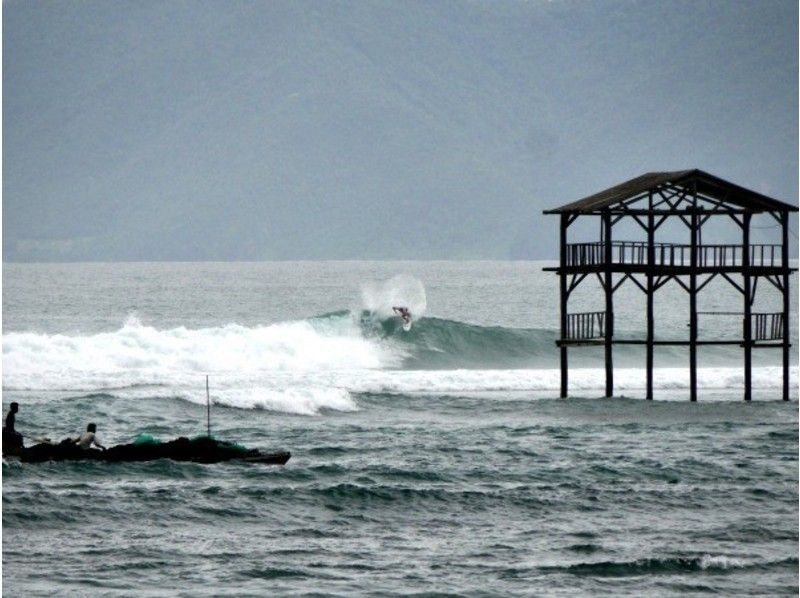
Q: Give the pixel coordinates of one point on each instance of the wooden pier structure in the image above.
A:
(650, 200)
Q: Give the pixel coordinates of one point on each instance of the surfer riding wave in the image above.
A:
(405, 315)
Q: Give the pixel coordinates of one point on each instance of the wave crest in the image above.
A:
(322, 363)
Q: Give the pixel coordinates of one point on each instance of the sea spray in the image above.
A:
(402, 290)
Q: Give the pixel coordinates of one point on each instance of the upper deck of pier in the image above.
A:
(692, 196)
(688, 199)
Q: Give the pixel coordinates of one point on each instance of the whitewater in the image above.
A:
(319, 363)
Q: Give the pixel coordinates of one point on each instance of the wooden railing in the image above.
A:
(585, 254)
(768, 327)
(592, 325)
(634, 253)
(588, 325)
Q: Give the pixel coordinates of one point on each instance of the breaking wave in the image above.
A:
(325, 362)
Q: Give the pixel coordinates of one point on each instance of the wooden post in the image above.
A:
(208, 410)
(609, 288)
(563, 294)
(693, 311)
(786, 329)
(748, 321)
(650, 265)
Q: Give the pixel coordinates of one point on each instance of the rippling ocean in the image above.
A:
(434, 461)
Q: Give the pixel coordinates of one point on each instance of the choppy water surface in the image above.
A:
(434, 461)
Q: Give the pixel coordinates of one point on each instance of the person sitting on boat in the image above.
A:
(403, 313)
(89, 438)
(11, 438)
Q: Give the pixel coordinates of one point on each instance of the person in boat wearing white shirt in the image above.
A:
(88, 438)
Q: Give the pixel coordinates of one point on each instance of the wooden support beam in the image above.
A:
(619, 215)
(748, 321)
(693, 312)
(680, 282)
(678, 195)
(652, 205)
(609, 307)
(717, 209)
(650, 291)
(776, 282)
(642, 224)
(632, 278)
(634, 199)
(575, 281)
(717, 206)
(662, 280)
(564, 295)
(706, 281)
(637, 283)
(734, 284)
(717, 203)
(678, 192)
(786, 312)
(625, 277)
(673, 212)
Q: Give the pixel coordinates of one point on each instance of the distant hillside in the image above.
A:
(288, 130)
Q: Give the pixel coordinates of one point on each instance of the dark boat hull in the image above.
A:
(198, 450)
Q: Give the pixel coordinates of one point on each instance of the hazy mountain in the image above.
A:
(281, 130)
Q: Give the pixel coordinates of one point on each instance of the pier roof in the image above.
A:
(707, 185)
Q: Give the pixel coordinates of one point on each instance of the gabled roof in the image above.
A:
(707, 184)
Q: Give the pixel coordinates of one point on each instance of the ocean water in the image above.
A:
(438, 461)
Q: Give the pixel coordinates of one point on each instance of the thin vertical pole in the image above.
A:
(693, 310)
(563, 295)
(748, 321)
(650, 291)
(208, 410)
(609, 288)
(785, 267)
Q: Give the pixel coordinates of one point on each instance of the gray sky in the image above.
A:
(172, 130)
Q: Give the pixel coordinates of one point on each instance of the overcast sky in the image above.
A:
(199, 130)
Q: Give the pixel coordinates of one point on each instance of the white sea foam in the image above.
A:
(296, 367)
(245, 363)
(305, 400)
(292, 346)
(709, 561)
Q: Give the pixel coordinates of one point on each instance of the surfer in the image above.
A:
(88, 438)
(403, 313)
(11, 438)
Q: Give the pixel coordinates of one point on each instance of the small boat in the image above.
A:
(202, 449)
